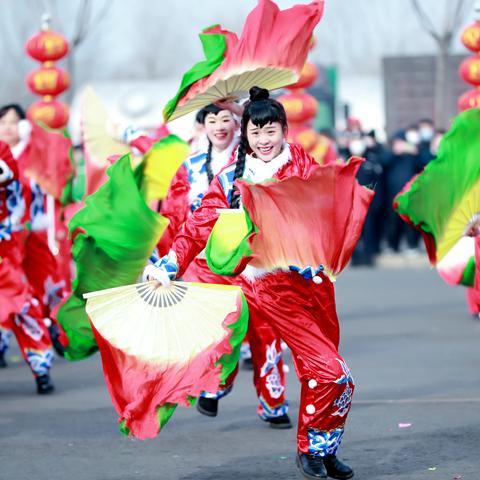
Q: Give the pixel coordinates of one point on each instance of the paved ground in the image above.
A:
(412, 348)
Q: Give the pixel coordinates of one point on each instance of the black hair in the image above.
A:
(260, 109)
(13, 106)
(202, 114)
(200, 118)
(426, 120)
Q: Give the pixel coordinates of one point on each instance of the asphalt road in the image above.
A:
(413, 350)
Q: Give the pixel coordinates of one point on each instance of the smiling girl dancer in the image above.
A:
(302, 311)
(185, 196)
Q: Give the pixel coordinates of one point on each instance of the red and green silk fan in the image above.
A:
(301, 222)
(270, 53)
(163, 346)
(113, 237)
(443, 202)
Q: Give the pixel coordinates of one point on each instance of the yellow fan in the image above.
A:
(98, 140)
(163, 325)
(161, 163)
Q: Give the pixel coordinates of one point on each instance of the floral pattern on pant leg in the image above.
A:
(324, 442)
(270, 367)
(40, 361)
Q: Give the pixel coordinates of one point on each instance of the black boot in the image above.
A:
(280, 423)
(207, 406)
(54, 336)
(336, 468)
(44, 384)
(311, 466)
(247, 364)
(3, 363)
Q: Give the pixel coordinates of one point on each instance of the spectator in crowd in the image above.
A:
(403, 164)
(426, 130)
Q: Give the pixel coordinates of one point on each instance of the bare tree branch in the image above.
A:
(101, 15)
(425, 20)
(83, 15)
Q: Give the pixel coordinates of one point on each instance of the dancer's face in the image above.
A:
(220, 129)
(267, 141)
(9, 128)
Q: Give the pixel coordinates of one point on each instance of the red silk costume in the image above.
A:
(302, 312)
(185, 195)
(21, 312)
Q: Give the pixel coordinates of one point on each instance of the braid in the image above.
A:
(208, 163)
(239, 169)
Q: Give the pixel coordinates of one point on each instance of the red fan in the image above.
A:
(302, 222)
(270, 53)
(49, 160)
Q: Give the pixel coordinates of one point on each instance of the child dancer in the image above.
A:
(185, 196)
(302, 311)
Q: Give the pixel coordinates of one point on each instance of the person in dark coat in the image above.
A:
(370, 175)
(403, 163)
(426, 130)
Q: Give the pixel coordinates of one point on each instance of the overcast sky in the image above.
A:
(147, 39)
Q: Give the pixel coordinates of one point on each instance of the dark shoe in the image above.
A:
(3, 363)
(247, 364)
(44, 384)
(207, 406)
(311, 466)
(55, 337)
(336, 468)
(280, 423)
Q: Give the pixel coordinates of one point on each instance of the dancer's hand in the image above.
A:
(164, 270)
(232, 106)
(309, 273)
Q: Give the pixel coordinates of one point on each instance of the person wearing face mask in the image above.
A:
(426, 130)
(299, 305)
(403, 164)
(370, 175)
(184, 198)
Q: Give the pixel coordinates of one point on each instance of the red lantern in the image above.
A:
(307, 78)
(324, 151)
(304, 136)
(300, 107)
(470, 70)
(48, 81)
(52, 113)
(470, 99)
(471, 37)
(47, 46)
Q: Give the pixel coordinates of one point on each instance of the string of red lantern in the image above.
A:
(470, 68)
(301, 109)
(48, 81)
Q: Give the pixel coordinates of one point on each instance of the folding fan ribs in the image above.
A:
(270, 53)
(98, 141)
(443, 202)
(301, 222)
(163, 346)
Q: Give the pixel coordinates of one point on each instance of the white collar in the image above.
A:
(221, 159)
(257, 170)
(18, 149)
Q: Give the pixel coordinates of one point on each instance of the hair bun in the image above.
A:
(257, 94)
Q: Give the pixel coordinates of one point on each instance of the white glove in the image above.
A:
(163, 270)
(40, 222)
